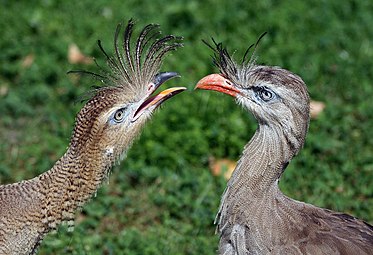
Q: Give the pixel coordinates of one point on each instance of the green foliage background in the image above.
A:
(162, 199)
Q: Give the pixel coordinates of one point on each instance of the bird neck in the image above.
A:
(256, 176)
(264, 159)
(71, 182)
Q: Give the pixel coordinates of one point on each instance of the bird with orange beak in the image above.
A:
(255, 217)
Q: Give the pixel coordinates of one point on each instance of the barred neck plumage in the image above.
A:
(105, 129)
(69, 184)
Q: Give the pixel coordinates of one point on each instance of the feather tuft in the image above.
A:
(135, 61)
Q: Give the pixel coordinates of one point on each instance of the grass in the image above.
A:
(162, 199)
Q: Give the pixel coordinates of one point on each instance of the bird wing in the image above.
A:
(291, 227)
(331, 232)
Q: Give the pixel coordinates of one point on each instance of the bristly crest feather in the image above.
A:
(133, 69)
(228, 67)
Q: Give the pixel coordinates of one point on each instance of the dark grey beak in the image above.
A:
(156, 100)
(161, 78)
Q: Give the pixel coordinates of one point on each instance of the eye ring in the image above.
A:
(119, 115)
(266, 95)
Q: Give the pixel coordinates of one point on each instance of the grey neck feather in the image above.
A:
(264, 159)
(257, 173)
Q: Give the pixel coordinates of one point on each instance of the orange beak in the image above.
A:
(218, 83)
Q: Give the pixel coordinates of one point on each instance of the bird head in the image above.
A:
(116, 112)
(275, 96)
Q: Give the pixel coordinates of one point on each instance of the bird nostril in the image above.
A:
(151, 86)
(228, 82)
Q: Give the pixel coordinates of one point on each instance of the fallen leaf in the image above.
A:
(223, 167)
(4, 90)
(316, 108)
(28, 60)
(75, 56)
(339, 189)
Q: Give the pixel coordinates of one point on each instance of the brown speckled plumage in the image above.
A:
(104, 130)
(255, 217)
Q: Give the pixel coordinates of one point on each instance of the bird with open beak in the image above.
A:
(255, 217)
(105, 129)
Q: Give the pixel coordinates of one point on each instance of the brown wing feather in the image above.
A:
(337, 232)
(314, 230)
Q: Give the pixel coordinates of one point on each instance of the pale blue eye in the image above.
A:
(264, 93)
(118, 116)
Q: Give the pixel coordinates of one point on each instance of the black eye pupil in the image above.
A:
(119, 115)
(266, 95)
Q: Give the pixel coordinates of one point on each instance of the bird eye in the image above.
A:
(266, 95)
(119, 115)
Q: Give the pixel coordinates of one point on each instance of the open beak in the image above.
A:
(154, 101)
(218, 83)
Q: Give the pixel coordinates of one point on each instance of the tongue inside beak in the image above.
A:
(156, 100)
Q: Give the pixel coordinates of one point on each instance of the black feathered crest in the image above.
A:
(133, 68)
(228, 66)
